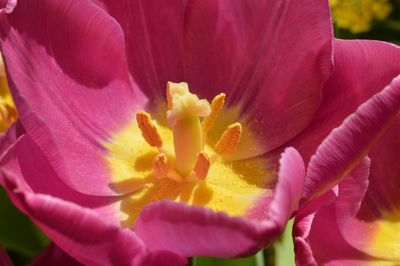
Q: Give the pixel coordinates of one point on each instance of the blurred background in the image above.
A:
(367, 19)
(353, 19)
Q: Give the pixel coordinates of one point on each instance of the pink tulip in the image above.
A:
(356, 224)
(76, 161)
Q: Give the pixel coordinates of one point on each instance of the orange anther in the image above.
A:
(161, 165)
(202, 165)
(229, 140)
(148, 129)
(216, 106)
(169, 97)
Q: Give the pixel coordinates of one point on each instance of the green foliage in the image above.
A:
(17, 233)
(257, 260)
(284, 248)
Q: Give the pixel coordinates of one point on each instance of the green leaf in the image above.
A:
(257, 260)
(284, 249)
(17, 232)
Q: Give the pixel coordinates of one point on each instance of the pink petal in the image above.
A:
(272, 57)
(290, 185)
(361, 69)
(82, 225)
(69, 78)
(303, 253)
(325, 245)
(7, 6)
(362, 228)
(10, 136)
(197, 231)
(53, 255)
(383, 191)
(25, 162)
(349, 143)
(319, 237)
(82, 233)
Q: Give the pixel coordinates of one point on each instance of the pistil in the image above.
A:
(184, 113)
(183, 117)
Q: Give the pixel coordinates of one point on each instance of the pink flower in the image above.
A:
(78, 165)
(356, 223)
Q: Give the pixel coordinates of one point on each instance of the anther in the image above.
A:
(161, 165)
(229, 140)
(216, 106)
(148, 129)
(202, 165)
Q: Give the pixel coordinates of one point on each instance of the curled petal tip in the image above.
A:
(7, 6)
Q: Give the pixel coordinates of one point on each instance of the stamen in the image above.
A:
(148, 129)
(229, 140)
(216, 106)
(161, 165)
(202, 165)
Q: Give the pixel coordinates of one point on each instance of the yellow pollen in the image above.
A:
(161, 166)
(148, 129)
(189, 134)
(177, 159)
(8, 113)
(202, 165)
(216, 106)
(229, 140)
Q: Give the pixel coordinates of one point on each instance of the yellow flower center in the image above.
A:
(178, 157)
(8, 113)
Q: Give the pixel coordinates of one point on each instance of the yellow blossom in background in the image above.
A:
(8, 114)
(357, 15)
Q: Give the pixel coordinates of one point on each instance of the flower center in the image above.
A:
(190, 119)
(188, 154)
(8, 113)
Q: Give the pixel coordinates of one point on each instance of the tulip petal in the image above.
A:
(69, 78)
(10, 136)
(65, 214)
(325, 245)
(374, 228)
(349, 143)
(53, 255)
(303, 253)
(197, 231)
(361, 69)
(269, 57)
(79, 231)
(25, 161)
(319, 237)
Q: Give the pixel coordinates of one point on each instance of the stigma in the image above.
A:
(190, 120)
